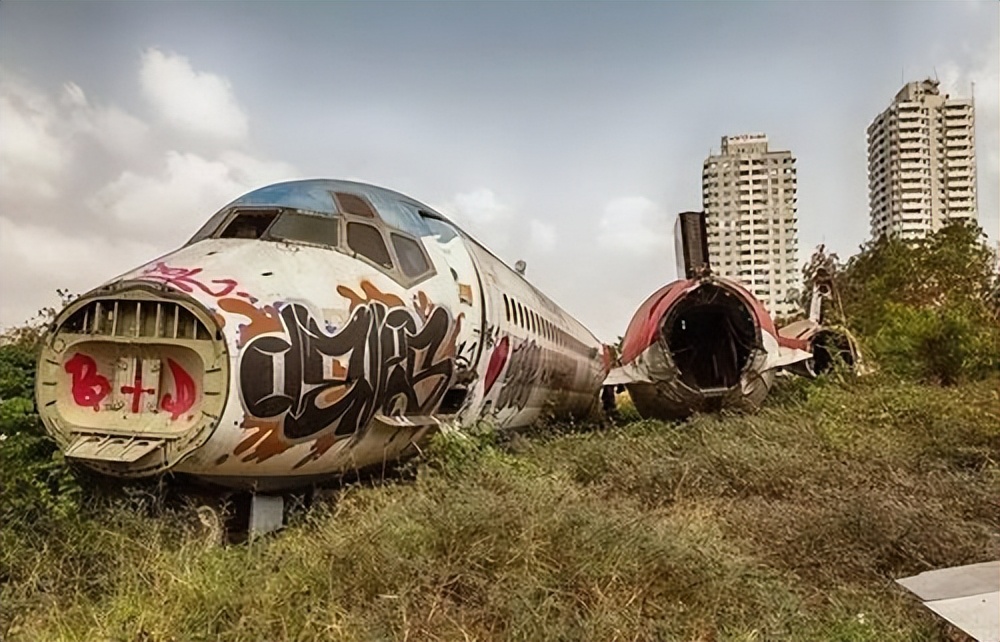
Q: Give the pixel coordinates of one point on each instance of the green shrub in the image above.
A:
(925, 309)
(940, 345)
(35, 484)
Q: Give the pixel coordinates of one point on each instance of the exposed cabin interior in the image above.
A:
(711, 335)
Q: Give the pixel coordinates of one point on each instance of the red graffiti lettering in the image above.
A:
(184, 390)
(497, 361)
(136, 390)
(89, 386)
(184, 280)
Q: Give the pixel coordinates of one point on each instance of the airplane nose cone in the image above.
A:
(132, 378)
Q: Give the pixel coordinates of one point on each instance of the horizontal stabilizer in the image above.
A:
(803, 329)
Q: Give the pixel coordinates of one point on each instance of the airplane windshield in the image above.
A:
(277, 225)
(293, 226)
(380, 226)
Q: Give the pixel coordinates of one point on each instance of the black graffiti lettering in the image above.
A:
(389, 354)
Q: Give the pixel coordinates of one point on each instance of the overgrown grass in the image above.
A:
(790, 524)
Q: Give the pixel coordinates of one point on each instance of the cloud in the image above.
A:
(174, 202)
(482, 214)
(114, 129)
(88, 190)
(32, 154)
(35, 260)
(194, 102)
(251, 171)
(634, 224)
(479, 207)
(543, 235)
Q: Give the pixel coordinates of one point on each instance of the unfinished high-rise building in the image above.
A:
(749, 198)
(921, 162)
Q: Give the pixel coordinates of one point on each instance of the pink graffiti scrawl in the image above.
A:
(184, 280)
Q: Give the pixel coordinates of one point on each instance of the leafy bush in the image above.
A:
(925, 309)
(35, 483)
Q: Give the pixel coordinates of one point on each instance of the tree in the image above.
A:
(925, 308)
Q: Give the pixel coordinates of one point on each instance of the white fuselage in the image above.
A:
(267, 363)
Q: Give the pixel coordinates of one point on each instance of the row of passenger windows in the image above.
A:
(362, 238)
(523, 316)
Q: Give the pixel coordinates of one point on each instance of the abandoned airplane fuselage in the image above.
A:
(308, 329)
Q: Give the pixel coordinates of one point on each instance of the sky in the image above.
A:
(565, 134)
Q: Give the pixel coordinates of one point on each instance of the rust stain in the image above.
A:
(465, 293)
(369, 293)
(333, 395)
(422, 305)
(337, 370)
(450, 343)
(265, 439)
(322, 445)
(262, 320)
(423, 391)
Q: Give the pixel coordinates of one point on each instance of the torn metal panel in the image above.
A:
(967, 596)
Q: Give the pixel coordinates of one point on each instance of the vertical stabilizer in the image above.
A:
(691, 245)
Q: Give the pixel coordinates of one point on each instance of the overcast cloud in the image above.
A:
(564, 134)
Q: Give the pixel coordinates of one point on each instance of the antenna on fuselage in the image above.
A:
(520, 267)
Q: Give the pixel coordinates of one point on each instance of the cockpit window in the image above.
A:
(411, 259)
(367, 241)
(353, 204)
(307, 228)
(387, 229)
(249, 225)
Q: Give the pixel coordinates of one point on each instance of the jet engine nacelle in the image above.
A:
(701, 344)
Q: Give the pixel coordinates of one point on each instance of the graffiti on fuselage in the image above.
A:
(310, 383)
(189, 280)
(525, 372)
(515, 374)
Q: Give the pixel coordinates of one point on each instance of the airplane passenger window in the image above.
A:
(292, 226)
(366, 241)
(411, 259)
(506, 306)
(249, 225)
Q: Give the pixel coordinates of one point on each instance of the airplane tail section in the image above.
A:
(830, 343)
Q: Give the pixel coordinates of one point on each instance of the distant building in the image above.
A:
(749, 198)
(921, 162)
